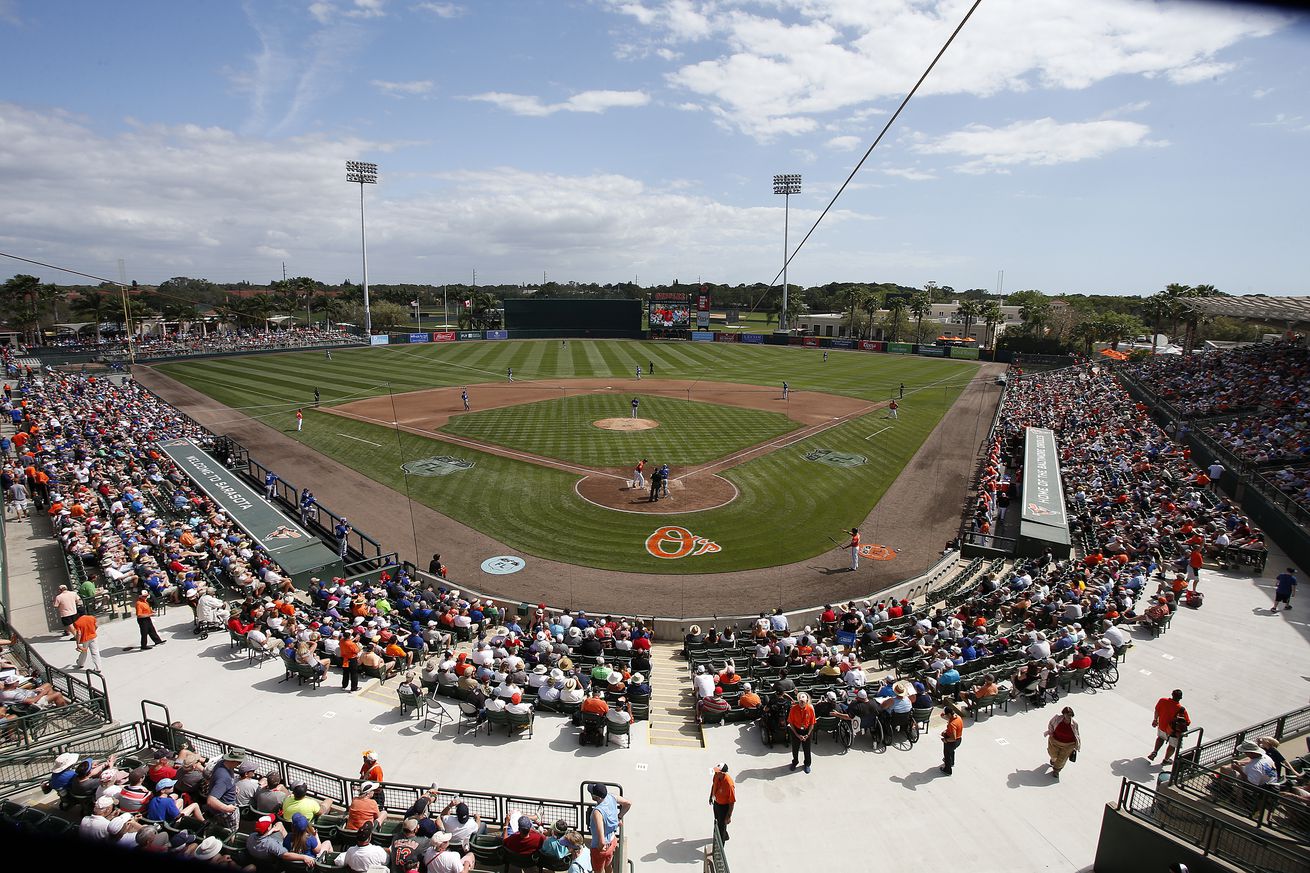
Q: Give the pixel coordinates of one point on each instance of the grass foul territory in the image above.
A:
(812, 479)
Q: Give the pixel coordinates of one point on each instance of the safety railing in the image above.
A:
(1211, 834)
(1284, 815)
(716, 859)
(1222, 749)
(23, 769)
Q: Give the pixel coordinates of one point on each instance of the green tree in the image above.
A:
(98, 306)
(991, 315)
(1034, 309)
(870, 304)
(1155, 309)
(920, 305)
(896, 319)
(968, 310)
(24, 302)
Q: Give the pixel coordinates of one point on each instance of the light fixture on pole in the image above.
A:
(785, 184)
(363, 173)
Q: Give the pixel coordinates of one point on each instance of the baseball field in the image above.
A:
(545, 464)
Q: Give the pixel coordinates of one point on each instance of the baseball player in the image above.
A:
(635, 404)
(825, 356)
(902, 390)
(639, 372)
(316, 397)
(328, 352)
(891, 410)
(638, 480)
(664, 481)
(784, 390)
(509, 373)
(650, 367)
(854, 546)
(464, 395)
(300, 421)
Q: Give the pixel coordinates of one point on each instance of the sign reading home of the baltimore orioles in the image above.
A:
(1043, 497)
(440, 465)
(268, 527)
(672, 542)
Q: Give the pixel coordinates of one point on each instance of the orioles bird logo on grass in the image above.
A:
(878, 553)
(672, 542)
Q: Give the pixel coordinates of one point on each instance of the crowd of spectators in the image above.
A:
(1273, 376)
(228, 340)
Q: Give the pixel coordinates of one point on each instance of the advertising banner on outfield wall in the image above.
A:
(932, 351)
(702, 336)
(496, 334)
(873, 346)
(842, 343)
(443, 336)
(752, 338)
(899, 348)
(964, 354)
(726, 337)
(470, 334)
(419, 338)
(810, 341)
(379, 340)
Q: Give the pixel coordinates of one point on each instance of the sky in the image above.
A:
(1080, 146)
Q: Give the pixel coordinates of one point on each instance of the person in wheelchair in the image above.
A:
(864, 711)
(1028, 682)
(1103, 654)
(897, 710)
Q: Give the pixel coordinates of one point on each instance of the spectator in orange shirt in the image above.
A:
(364, 808)
(84, 631)
(800, 724)
(723, 797)
(145, 620)
(350, 662)
(951, 737)
(1167, 709)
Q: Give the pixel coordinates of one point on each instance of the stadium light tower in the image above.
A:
(363, 173)
(785, 184)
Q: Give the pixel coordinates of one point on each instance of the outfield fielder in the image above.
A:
(854, 546)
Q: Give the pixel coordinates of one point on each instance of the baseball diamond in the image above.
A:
(550, 485)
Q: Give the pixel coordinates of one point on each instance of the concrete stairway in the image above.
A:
(672, 703)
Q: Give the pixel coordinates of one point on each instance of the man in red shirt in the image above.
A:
(527, 839)
(1166, 710)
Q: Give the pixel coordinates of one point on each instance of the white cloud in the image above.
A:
(1285, 120)
(419, 88)
(830, 56)
(584, 101)
(909, 173)
(441, 10)
(1199, 72)
(843, 143)
(1040, 142)
(367, 9)
(1261, 93)
(167, 200)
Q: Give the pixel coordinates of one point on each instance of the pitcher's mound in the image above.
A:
(626, 423)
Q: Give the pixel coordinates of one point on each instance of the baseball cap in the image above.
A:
(525, 823)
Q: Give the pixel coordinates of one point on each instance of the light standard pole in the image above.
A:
(785, 184)
(363, 173)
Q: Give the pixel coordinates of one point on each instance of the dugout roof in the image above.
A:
(1262, 307)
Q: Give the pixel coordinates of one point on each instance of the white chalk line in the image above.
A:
(360, 439)
(876, 432)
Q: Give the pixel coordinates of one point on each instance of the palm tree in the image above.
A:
(871, 303)
(1155, 309)
(991, 315)
(1086, 332)
(920, 305)
(1174, 292)
(97, 306)
(969, 310)
(895, 312)
(854, 297)
(1036, 314)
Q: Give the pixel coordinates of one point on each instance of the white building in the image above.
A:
(943, 317)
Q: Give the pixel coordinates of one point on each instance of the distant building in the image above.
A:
(943, 316)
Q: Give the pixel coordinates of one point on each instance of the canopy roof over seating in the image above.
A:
(1259, 306)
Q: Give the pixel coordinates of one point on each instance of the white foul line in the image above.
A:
(876, 432)
(349, 437)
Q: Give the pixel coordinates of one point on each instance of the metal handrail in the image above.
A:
(1210, 834)
(1257, 804)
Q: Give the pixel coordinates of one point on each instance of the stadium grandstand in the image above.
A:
(1151, 552)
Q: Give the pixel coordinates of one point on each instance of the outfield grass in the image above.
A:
(535, 510)
(688, 432)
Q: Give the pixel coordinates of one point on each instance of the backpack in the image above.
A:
(1194, 599)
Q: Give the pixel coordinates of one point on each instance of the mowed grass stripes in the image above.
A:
(787, 508)
(688, 432)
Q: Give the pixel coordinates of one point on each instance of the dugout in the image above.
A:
(553, 318)
(1043, 521)
(300, 553)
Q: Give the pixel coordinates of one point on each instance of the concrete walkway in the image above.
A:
(1235, 660)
